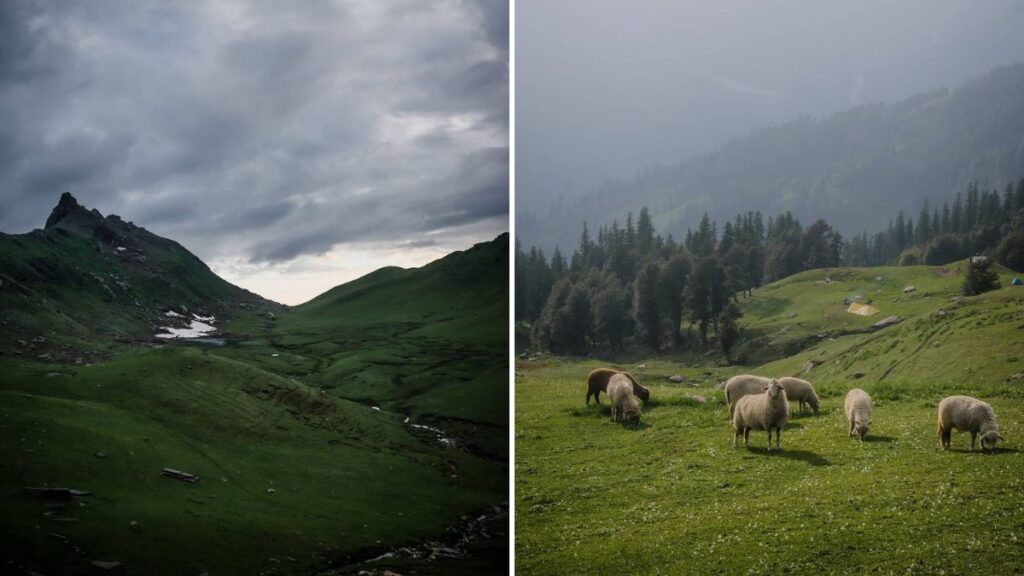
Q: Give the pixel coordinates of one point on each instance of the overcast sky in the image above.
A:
(291, 145)
(604, 88)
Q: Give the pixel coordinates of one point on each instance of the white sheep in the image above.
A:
(741, 385)
(624, 405)
(801, 391)
(858, 412)
(968, 414)
(764, 411)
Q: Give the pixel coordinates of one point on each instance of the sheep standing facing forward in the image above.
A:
(597, 382)
(741, 385)
(620, 393)
(764, 411)
(801, 391)
(858, 412)
(968, 415)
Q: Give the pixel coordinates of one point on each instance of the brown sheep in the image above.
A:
(597, 382)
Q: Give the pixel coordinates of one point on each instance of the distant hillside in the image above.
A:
(460, 295)
(853, 168)
(801, 321)
(431, 342)
(86, 279)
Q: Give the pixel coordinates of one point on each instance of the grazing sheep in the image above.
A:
(597, 382)
(968, 414)
(858, 412)
(741, 385)
(764, 411)
(620, 393)
(801, 391)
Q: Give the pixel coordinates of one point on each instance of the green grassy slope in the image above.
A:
(286, 471)
(297, 424)
(673, 496)
(422, 341)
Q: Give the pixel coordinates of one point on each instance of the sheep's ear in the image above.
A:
(763, 388)
(1000, 437)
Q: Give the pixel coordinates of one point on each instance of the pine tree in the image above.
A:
(645, 305)
(730, 330)
(980, 278)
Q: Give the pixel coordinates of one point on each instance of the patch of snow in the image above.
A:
(121, 248)
(197, 328)
(377, 408)
(172, 314)
(275, 355)
(444, 440)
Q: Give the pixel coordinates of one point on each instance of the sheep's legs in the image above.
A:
(746, 437)
(974, 437)
(851, 428)
(735, 438)
(778, 438)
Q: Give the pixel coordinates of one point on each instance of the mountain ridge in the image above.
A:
(852, 168)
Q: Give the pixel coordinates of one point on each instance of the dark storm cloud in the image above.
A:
(259, 131)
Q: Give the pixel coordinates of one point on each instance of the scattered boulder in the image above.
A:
(271, 316)
(858, 375)
(808, 366)
(699, 399)
(105, 564)
(676, 378)
(886, 322)
(909, 289)
(56, 493)
(179, 475)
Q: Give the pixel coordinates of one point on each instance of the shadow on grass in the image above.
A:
(689, 401)
(999, 451)
(873, 438)
(802, 455)
(592, 410)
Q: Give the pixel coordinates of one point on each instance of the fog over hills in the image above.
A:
(855, 168)
(608, 94)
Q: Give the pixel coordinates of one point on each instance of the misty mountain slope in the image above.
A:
(85, 280)
(853, 168)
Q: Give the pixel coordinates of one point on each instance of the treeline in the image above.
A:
(980, 222)
(629, 285)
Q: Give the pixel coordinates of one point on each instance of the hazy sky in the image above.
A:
(291, 145)
(605, 88)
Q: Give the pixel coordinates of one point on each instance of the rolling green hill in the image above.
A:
(673, 496)
(323, 436)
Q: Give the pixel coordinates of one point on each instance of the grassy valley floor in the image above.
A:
(673, 496)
